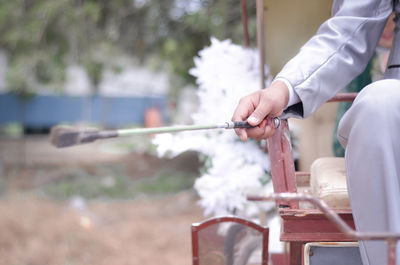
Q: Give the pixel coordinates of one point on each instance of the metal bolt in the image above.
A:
(277, 122)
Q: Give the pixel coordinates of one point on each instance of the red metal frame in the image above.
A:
(341, 225)
(300, 225)
(282, 164)
(196, 227)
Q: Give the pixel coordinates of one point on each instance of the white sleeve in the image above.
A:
(293, 97)
(338, 52)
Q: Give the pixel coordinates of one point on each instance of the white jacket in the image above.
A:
(340, 51)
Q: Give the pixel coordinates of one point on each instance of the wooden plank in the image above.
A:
(312, 225)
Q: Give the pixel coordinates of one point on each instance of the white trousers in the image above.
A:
(370, 133)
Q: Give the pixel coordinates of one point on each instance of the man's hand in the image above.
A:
(256, 107)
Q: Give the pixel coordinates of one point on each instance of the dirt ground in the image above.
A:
(37, 229)
(40, 231)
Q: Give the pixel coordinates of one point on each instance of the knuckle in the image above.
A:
(243, 100)
(258, 112)
(266, 98)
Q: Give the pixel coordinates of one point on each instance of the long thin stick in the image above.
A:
(66, 136)
(134, 131)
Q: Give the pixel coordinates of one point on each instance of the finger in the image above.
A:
(266, 131)
(244, 109)
(269, 131)
(259, 113)
(255, 133)
(263, 124)
(242, 134)
(258, 134)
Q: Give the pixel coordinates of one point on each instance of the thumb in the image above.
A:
(259, 114)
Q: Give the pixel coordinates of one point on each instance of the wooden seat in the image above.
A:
(328, 182)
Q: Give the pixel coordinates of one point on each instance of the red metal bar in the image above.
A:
(260, 39)
(280, 259)
(391, 245)
(199, 226)
(195, 245)
(343, 97)
(295, 253)
(302, 174)
(288, 162)
(282, 166)
(265, 247)
(245, 24)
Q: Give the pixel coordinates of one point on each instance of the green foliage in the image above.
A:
(14, 130)
(111, 182)
(39, 35)
(191, 32)
(42, 37)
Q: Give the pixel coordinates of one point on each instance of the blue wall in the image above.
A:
(46, 111)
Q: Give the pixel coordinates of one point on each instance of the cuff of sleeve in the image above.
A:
(293, 97)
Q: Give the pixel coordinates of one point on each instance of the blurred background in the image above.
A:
(106, 64)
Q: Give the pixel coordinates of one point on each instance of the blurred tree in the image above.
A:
(42, 37)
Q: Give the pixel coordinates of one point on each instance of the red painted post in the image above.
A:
(282, 165)
(265, 246)
(195, 245)
(341, 97)
(391, 245)
(244, 22)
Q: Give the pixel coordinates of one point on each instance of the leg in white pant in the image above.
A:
(370, 133)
